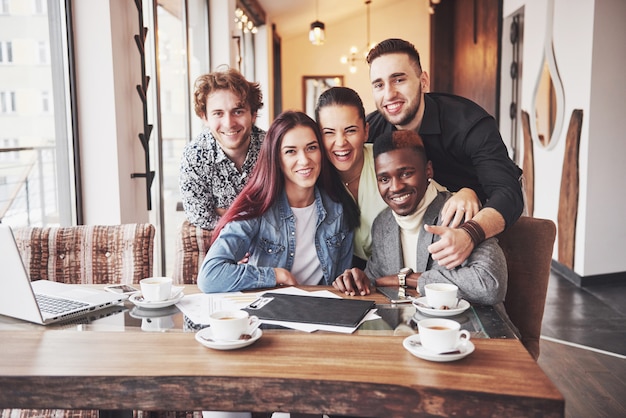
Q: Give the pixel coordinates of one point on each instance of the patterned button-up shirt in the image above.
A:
(210, 180)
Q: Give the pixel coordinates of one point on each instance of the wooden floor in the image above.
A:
(592, 379)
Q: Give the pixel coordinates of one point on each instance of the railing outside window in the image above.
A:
(28, 193)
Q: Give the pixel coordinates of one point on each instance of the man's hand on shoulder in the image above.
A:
(456, 245)
(461, 207)
(453, 247)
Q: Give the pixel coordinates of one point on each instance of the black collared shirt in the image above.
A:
(464, 144)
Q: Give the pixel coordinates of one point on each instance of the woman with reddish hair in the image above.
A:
(293, 220)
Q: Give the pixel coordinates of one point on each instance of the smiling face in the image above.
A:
(343, 132)
(402, 176)
(398, 89)
(229, 120)
(300, 161)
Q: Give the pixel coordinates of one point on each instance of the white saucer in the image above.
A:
(225, 345)
(466, 348)
(140, 313)
(419, 302)
(177, 295)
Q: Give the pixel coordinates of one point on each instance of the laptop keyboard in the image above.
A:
(57, 305)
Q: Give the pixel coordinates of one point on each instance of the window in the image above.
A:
(36, 153)
(167, 101)
(183, 45)
(7, 101)
(9, 156)
(40, 7)
(6, 52)
(43, 54)
(45, 101)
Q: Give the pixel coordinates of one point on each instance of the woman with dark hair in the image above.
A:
(341, 117)
(294, 219)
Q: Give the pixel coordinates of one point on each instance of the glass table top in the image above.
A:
(395, 319)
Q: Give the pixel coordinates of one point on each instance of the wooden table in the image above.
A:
(359, 374)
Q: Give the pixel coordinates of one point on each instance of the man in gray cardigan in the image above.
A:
(402, 233)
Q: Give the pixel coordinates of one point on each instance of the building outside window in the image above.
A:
(6, 52)
(40, 7)
(43, 53)
(7, 102)
(45, 102)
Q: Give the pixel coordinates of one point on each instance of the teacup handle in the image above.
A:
(464, 336)
(253, 324)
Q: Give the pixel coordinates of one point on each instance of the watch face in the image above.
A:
(406, 270)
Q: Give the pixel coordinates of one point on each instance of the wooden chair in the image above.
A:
(93, 254)
(528, 246)
(191, 246)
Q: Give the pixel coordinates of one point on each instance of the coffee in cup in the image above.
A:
(440, 335)
(156, 289)
(441, 295)
(231, 325)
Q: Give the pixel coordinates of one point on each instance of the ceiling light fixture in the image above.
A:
(432, 4)
(352, 58)
(244, 23)
(316, 35)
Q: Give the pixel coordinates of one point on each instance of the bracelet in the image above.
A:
(475, 231)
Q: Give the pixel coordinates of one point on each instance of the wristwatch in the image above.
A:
(402, 274)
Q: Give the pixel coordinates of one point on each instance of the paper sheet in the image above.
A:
(198, 307)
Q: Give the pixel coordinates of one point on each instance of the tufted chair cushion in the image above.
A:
(47, 413)
(192, 245)
(528, 246)
(93, 254)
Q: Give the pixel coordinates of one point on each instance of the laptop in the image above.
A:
(42, 301)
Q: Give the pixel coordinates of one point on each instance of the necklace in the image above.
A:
(347, 183)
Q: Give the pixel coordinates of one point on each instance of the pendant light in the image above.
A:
(354, 57)
(316, 34)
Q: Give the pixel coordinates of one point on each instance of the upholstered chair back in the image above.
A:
(528, 246)
(88, 254)
(192, 244)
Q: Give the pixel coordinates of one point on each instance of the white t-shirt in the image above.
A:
(306, 266)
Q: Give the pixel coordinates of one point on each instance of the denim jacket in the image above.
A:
(271, 241)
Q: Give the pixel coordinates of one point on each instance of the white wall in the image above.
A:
(222, 48)
(108, 68)
(588, 47)
(605, 204)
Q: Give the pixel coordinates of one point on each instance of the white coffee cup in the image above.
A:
(230, 325)
(439, 295)
(156, 289)
(157, 324)
(440, 335)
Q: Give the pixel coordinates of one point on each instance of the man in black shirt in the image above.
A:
(462, 141)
